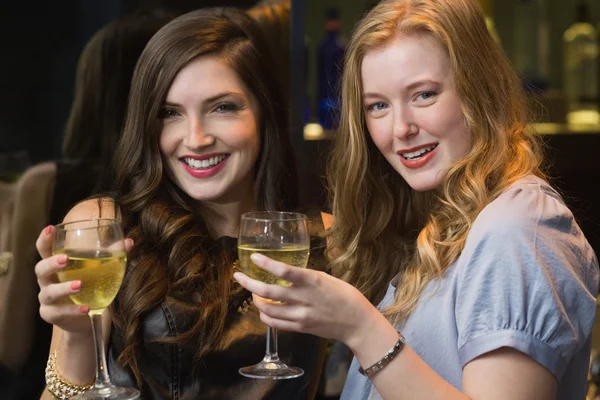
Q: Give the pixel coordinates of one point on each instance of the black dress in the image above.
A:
(170, 371)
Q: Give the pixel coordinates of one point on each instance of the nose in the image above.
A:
(197, 137)
(404, 124)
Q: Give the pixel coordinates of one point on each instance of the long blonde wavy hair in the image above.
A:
(383, 227)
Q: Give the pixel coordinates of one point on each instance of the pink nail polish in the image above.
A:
(84, 309)
(62, 259)
(48, 229)
(75, 285)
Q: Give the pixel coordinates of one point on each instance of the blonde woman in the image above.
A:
(443, 217)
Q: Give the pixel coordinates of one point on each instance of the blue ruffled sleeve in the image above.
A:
(527, 279)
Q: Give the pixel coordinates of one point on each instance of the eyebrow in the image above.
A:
(409, 87)
(211, 99)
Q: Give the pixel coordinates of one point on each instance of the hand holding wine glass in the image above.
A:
(312, 302)
(282, 236)
(96, 258)
(66, 315)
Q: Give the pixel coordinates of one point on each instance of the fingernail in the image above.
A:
(256, 257)
(236, 275)
(75, 285)
(62, 259)
(48, 230)
(84, 309)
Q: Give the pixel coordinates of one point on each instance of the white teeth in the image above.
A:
(203, 164)
(418, 153)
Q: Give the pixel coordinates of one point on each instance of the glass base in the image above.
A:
(271, 370)
(109, 392)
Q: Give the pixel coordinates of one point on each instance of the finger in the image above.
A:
(44, 242)
(273, 292)
(284, 311)
(45, 269)
(57, 314)
(53, 293)
(281, 324)
(279, 269)
(128, 245)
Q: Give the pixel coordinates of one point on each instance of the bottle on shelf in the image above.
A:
(330, 59)
(531, 44)
(581, 51)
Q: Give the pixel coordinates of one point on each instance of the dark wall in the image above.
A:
(183, 6)
(572, 166)
(41, 42)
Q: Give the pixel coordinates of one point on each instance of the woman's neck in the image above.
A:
(224, 216)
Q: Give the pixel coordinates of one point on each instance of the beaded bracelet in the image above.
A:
(385, 360)
(58, 387)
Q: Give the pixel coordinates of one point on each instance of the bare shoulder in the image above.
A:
(101, 207)
(327, 220)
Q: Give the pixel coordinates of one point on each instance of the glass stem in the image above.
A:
(102, 378)
(271, 353)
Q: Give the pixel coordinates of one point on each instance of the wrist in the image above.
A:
(374, 340)
(372, 328)
(75, 357)
(57, 386)
(385, 360)
(75, 340)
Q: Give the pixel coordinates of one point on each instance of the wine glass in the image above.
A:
(97, 258)
(282, 236)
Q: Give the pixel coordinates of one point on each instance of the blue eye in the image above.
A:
(380, 105)
(426, 95)
(167, 113)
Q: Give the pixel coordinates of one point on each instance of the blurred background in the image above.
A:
(550, 43)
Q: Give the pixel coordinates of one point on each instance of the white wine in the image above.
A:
(101, 274)
(295, 255)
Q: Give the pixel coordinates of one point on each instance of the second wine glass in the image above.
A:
(96, 251)
(282, 236)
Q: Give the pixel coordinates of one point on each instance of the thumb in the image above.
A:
(44, 242)
(128, 245)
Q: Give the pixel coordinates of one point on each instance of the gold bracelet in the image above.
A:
(58, 387)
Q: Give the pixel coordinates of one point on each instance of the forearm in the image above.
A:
(407, 376)
(75, 361)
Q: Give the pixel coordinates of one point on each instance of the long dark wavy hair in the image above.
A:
(174, 252)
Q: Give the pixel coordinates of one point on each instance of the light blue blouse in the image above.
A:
(527, 279)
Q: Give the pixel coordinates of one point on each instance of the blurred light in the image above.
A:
(313, 132)
(583, 117)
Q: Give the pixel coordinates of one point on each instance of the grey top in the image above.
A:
(527, 279)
